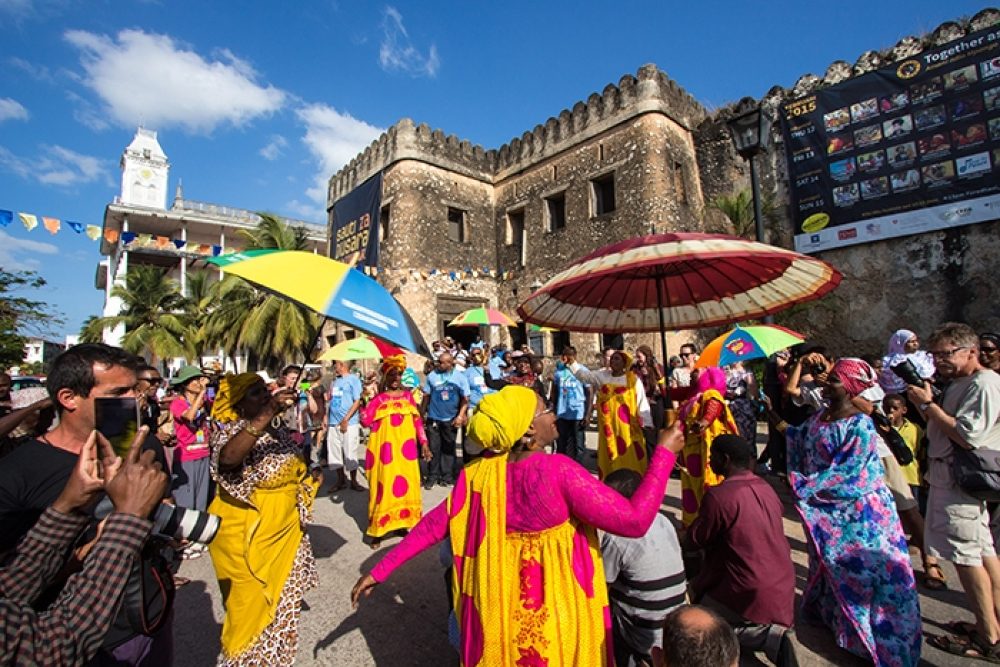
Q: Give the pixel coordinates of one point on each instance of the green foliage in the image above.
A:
(91, 330)
(154, 315)
(20, 315)
(739, 209)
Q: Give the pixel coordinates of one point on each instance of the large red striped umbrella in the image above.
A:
(677, 281)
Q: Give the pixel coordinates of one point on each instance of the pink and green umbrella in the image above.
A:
(477, 317)
(362, 347)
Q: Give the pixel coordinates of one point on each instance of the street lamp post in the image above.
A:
(751, 131)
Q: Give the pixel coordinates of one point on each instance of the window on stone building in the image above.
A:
(603, 194)
(555, 212)
(457, 225)
(383, 223)
(679, 188)
(515, 235)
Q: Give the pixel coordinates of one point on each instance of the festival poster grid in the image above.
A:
(906, 149)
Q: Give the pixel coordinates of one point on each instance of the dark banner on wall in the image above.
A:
(910, 148)
(354, 238)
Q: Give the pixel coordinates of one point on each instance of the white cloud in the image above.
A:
(150, 79)
(56, 165)
(273, 149)
(333, 138)
(12, 110)
(397, 52)
(34, 70)
(12, 251)
(306, 211)
(17, 9)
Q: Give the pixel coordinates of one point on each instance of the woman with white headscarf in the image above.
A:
(904, 345)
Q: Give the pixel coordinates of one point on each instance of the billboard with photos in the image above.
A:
(909, 148)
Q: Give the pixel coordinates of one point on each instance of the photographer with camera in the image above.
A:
(72, 629)
(967, 417)
(33, 476)
(806, 377)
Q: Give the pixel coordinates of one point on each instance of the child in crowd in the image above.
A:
(894, 406)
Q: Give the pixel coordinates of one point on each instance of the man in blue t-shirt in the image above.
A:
(446, 399)
(572, 400)
(343, 428)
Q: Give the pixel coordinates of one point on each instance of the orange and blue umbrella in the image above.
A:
(330, 288)
(745, 343)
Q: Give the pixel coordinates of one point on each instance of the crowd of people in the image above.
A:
(553, 559)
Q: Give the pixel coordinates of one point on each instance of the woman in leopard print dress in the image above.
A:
(262, 556)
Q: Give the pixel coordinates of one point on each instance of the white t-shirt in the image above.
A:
(974, 401)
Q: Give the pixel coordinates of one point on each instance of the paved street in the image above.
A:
(404, 624)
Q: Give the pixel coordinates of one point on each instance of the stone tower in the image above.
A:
(144, 172)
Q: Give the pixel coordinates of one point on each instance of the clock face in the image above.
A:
(145, 174)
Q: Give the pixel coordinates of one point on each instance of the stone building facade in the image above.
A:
(621, 164)
(642, 156)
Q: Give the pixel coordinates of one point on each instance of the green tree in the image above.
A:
(202, 301)
(738, 208)
(154, 315)
(20, 315)
(91, 330)
(270, 329)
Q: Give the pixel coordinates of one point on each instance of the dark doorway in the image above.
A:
(614, 341)
(560, 340)
(519, 336)
(464, 335)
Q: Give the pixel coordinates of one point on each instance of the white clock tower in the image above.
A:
(144, 172)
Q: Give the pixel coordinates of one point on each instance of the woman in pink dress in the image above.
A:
(528, 582)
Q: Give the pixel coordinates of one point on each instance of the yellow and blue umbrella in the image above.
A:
(331, 288)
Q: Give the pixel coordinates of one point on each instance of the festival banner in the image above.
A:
(910, 148)
(354, 238)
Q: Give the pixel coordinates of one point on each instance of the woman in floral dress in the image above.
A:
(262, 556)
(861, 582)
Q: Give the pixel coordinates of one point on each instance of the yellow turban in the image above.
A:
(502, 418)
(232, 389)
(397, 361)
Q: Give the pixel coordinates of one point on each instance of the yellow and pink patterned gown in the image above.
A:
(392, 462)
(528, 580)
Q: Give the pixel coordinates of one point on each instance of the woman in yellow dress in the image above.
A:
(705, 416)
(622, 412)
(262, 556)
(528, 581)
(397, 435)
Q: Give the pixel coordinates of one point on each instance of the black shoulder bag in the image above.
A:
(976, 471)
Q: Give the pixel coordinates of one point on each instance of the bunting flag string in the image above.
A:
(167, 244)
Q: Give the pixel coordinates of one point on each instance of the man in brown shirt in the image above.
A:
(748, 573)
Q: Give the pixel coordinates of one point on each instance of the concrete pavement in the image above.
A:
(403, 623)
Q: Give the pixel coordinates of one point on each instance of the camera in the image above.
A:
(171, 521)
(907, 372)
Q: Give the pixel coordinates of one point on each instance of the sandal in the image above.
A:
(339, 486)
(934, 578)
(180, 581)
(959, 628)
(972, 646)
(375, 544)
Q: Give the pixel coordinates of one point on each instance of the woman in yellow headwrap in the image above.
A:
(528, 582)
(622, 412)
(397, 438)
(262, 556)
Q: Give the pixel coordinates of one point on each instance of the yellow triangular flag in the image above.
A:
(93, 232)
(30, 221)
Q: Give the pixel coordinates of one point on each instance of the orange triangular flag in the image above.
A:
(52, 225)
(111, 235)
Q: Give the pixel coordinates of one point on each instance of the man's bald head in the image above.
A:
(694, 636)
(446, 362)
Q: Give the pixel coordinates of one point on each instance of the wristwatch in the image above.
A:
(924, 406)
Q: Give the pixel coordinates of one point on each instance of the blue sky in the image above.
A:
(258, 103)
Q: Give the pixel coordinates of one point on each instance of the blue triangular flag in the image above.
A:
(75, 226)
(128, 237)
(179, 243)
(6, 217)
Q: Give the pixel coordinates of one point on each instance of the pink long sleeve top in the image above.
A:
(543, 491)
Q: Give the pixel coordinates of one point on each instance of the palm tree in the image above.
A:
(270, 329)
(153, 315)
(91, 330)
(739, 209)
(202, 300)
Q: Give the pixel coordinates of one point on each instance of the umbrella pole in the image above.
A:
(307, 353)
(663, 336)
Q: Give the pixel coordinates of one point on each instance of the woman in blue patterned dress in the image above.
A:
(861, 582)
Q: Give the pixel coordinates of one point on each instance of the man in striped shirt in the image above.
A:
(645, 578)
(71, 630)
